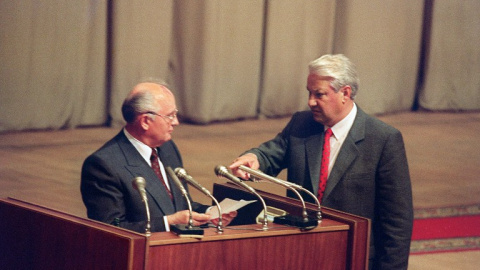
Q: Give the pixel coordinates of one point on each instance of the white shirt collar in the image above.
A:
(341, 129)
(144, 150)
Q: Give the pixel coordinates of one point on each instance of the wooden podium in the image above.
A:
(35, 237)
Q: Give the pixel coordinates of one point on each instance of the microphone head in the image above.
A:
(139, 183)
(180, 172)
(220, 170)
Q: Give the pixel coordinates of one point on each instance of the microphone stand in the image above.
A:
(261, 175)
(304, 222)
(139, 184)
(319, 209)
(181, 173)
(181, 229)
(148, 225)
(223, 171)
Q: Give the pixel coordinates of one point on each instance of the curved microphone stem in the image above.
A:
(261, 175)
(184, 193)
(223, 171)
(181, 173)
(148, 225)
(319, 208)
(220, 223)
(288, 185)
(139, 184)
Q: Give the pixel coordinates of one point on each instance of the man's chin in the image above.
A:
(166, 139)
(318, 118)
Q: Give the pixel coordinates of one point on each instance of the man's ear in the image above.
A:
(346, 92)
(144, 120)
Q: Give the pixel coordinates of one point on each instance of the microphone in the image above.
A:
(139, 184)
(305, 222)
(181, 173)
(181, 229)
(261, 175)
(223, 172)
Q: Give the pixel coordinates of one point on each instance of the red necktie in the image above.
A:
(156, 169)
(324, 166)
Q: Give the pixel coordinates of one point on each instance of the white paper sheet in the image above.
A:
(228, 205)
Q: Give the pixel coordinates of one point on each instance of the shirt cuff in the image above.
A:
(167, 226)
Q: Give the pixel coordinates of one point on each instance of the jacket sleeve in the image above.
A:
(273, 154)
(104, 196)
(393, 207)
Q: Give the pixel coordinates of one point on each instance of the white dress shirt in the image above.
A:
(146, 151)
(340, 131)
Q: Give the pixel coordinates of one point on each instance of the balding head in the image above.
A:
(151, 113)
(145, 97)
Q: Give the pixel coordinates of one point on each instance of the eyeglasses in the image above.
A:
(169, 118)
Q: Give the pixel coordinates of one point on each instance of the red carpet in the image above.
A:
(448, 229)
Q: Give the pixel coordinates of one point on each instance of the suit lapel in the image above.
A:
(166, 157)
(348, 153)
(313, 146)
(139, 167)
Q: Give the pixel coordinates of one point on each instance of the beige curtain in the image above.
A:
(296, 32)
(383, 38)
(452, 70)
(66, 64)
(140, 45)
(52, 71)
(216, 59)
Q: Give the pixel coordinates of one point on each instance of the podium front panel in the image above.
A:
(284, 249)
(34, 237)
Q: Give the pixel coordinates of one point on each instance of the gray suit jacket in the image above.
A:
(107, 190)
(370, 178)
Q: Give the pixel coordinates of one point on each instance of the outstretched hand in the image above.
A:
(249, 160)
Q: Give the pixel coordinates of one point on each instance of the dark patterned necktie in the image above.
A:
(156, 169)
(325, 162)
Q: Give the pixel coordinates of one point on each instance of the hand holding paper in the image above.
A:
(228, 205)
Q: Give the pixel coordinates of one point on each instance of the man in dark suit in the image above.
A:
(366, 160)
(106, 186)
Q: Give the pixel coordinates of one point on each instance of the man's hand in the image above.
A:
(226, 218)
(182, 217)
(249, 160)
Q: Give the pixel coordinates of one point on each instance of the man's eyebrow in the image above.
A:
(313, 90)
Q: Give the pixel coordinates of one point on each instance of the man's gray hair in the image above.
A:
(339, 68)
(140, 102)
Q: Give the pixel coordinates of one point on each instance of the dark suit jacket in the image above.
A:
(370, 178)
(107, 190)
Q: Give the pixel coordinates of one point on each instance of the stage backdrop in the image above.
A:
(66, 64)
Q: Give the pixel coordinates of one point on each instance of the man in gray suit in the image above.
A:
(367, 165)
(106, 186)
